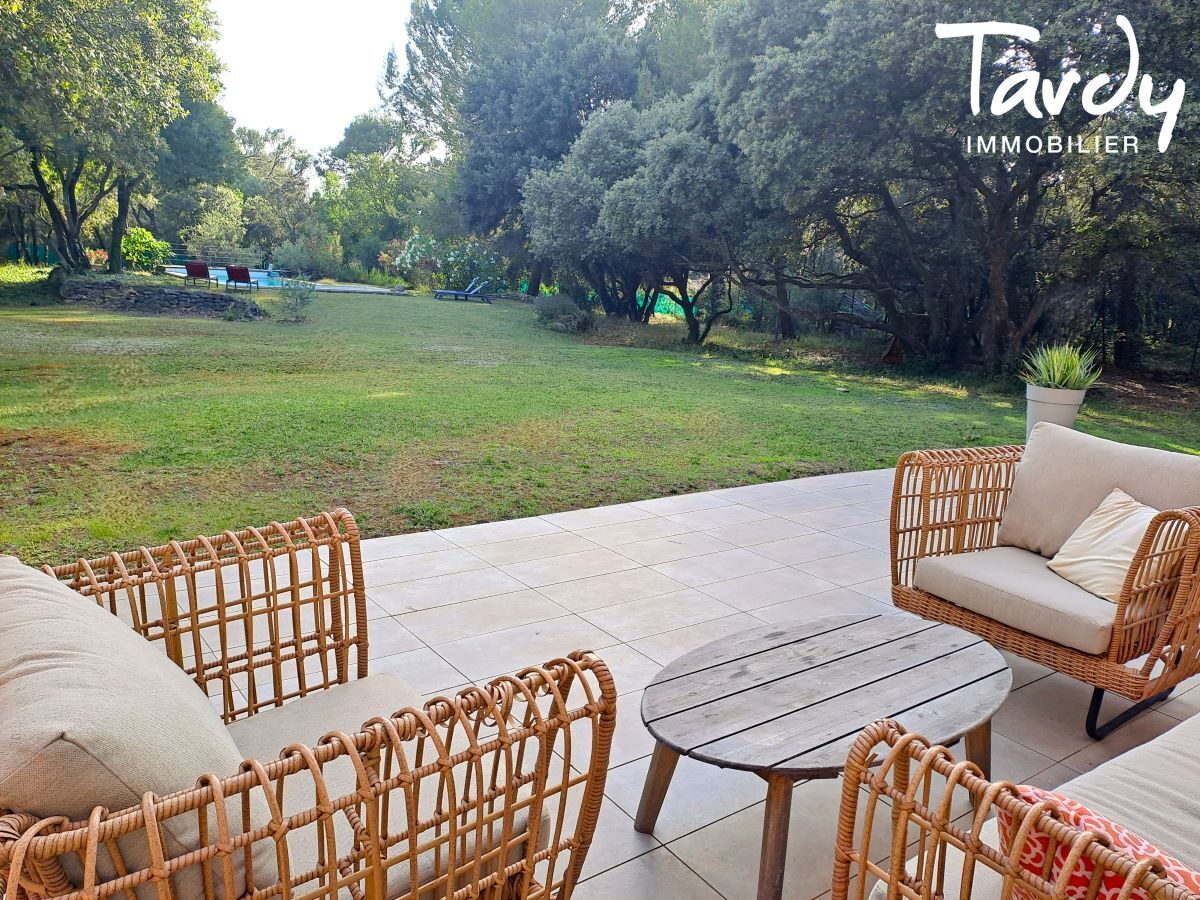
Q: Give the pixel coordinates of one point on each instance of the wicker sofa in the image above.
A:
(972, 529)
(203, 726)
(914, 801)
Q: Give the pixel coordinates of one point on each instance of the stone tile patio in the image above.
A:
(641, 583)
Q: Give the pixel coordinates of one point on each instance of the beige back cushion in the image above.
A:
(93, 715)
(1064, 475)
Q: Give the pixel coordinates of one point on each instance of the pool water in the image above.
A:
(264, 278)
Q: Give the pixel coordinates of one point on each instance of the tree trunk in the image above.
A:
(787, 325)
(66, 210)
(65, 224)
(715, 285)
(629, 298)
(1127, 348)
(116, 258)
(16, 223)
(650, 292)
(894, 355)
(687, 303)
(534, 286)
(689, 316)
(599, 285)
(996, 325)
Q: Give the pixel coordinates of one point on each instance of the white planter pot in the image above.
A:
(1055, 405)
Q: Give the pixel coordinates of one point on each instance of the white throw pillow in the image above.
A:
(1097, 556)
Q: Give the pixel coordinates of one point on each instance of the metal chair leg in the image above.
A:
(1098, 732)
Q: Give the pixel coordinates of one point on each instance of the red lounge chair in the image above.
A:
(196, 272)
(239, 275)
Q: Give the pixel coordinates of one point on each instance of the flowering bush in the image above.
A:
(416, 258)
(98, 258)
(389, 258)
(422, 260)
(466, 259)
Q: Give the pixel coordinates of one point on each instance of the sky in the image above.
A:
(305, 66)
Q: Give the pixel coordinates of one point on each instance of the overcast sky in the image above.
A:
(305, 66)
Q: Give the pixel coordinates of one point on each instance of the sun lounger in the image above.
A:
(473, 291)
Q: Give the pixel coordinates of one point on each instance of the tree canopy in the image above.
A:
(961, 252)
(878, 165)
(86, 89)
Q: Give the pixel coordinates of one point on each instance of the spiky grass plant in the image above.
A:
(1064, 366)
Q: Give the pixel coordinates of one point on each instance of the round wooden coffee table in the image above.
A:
(787, 701)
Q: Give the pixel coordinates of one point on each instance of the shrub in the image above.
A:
(295, 296)
(317, 252)
(561, 314)
(142, 251)
(454, 263)
(389, 258)
(416, 258)
(292, 256)
(1061, 366)
(462, 260)
(354, 271)
(98, 258)
(380, 278)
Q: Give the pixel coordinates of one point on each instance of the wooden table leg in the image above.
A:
(979, 747)
(658, 779)
(775, 837)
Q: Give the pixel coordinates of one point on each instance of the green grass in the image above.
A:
(118, 430)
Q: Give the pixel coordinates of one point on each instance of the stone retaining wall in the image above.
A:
(157, 300)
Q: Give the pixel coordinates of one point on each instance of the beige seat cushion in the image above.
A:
(92, 714)
(1098, 556)
(1015, 587)
(1151, 790)
(1064, 475)
(343, 707)
(346, 707)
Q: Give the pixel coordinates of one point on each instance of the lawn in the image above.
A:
(117, 430)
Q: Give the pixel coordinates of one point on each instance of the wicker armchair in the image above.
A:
(903, 832)
(487, 794)
(952, 502)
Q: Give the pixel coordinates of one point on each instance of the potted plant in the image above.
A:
(1056, 381)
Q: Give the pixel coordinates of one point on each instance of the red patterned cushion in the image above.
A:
(1079, 816)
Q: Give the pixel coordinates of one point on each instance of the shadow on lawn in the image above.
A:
(26, 286)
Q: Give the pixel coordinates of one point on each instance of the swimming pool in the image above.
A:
(264, 278)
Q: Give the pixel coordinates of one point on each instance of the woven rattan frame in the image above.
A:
(487, 756)
(498, 789)
(952, 501)
(257, 617)
(902, 801)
